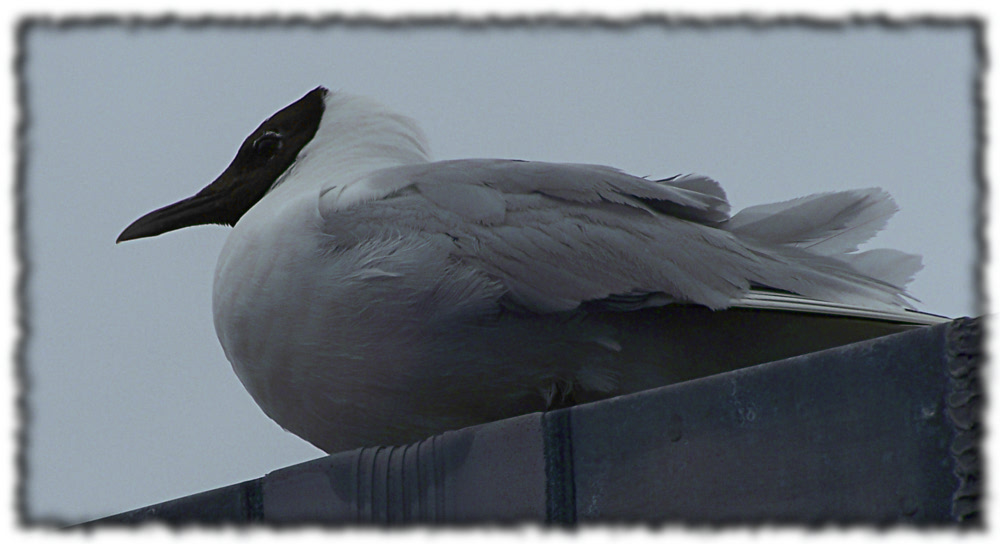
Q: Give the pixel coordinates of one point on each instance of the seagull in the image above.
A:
(367, 295)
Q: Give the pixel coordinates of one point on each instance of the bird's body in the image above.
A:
(369, 296)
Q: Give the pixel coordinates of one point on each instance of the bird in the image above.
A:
(368, 295)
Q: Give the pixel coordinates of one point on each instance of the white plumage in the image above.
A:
(369, 296)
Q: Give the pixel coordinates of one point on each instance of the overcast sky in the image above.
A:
(132, 401)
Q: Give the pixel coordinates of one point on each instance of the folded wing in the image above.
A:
(559, 235)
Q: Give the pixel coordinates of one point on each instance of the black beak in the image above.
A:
(200, 209)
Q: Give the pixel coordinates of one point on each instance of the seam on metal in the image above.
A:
(253, 500)
(560, 489)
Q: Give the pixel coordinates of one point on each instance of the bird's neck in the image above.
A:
(358, 136)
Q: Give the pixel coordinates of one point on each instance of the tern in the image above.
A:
(369, 296)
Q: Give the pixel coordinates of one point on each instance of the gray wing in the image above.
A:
(472, 187)
(558, 235)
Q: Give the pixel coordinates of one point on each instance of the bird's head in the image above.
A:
(264, 156)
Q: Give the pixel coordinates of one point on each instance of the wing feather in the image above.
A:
(559, 235)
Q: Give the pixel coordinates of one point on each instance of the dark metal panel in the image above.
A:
(493, 472)
(501, 478)
(855, 434)
(234, 504)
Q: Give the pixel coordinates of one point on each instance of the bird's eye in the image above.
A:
(267, 145)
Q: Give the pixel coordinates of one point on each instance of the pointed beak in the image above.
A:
(220, 203)
(199, 209)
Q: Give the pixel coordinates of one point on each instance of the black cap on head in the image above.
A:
(260, 161)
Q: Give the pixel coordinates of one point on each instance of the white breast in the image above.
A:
(330, 337)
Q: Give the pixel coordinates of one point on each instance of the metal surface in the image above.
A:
(856, 434)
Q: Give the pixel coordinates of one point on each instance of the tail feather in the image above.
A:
(834, 279)
(824, 224)
(811, 240)
(889, 265)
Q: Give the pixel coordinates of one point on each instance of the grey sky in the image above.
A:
(132, 400)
